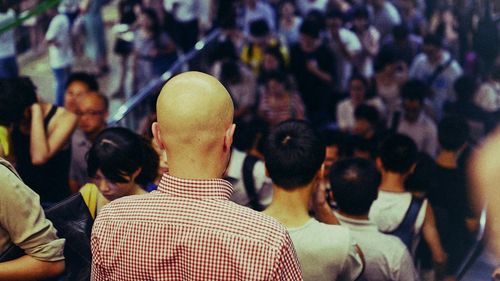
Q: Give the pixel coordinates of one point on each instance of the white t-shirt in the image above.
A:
(262, 11)
(306, 6)
(386, 257)
(326, 252)
(346, 108)
(353, 46)
(388, 211)
(7, 40)
(60, 56)
(263, 184)
(423, 132)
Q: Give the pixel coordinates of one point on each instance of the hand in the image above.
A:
(312, 66)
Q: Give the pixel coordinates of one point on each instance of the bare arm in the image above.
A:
(431, 236)
(44, 145)
(27, 268)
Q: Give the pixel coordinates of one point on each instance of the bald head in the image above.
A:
(194, 112)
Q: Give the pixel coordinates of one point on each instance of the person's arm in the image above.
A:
(22, 218)
(27, 268)
(312, 67)
(43, 145)
(322, 210)
(431, 237)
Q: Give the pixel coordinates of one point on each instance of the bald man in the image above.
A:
(92, 111)
(188, 229)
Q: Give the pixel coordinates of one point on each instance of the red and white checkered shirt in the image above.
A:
(189, 230)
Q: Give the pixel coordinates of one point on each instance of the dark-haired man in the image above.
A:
(414, 121)
(293, 157)
(312, 65)
(396, 211)
(78, 84)
(354, 184)
(92, 111)
(438, 69)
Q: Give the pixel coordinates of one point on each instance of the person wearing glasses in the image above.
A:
(119, 163)
(92, 112)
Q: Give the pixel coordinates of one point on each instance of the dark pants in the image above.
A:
(8, 67)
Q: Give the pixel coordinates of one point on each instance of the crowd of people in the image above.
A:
(347, 126)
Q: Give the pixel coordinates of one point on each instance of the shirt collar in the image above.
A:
(214, 189)
(355, 224)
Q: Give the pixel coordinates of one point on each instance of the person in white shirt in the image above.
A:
(254, 10)
(384, 16)
(438, 69)
(191, 18)
(8, 63)
(293, 159)
(306, 6)
(357, 95)
(354, 185)
(61, 58)
(344, 44)
(488, 95)
(396, 161)
(414, 121)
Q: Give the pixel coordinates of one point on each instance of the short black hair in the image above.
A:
(415, 90)
(87, 78)
(259, 28)
(368, 113)
(335, 14)
(294, 153)
(310, 28)
(360, 12)
(385, 57)
(423, 176)
(398, 153)
(433, 40)
(354, 183)
(465, 87)
(118, 152)
(453, 132)
(400, 32)
(358, 77)
(16, 94)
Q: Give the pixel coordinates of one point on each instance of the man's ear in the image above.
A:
(228, 138)
(378, 163)
(155, 128)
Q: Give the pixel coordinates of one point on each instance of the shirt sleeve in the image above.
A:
(286, 266)
(54, 28)
(23, 222)
(98, 272)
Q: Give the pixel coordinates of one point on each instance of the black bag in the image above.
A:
(123, 47)
(72, 219)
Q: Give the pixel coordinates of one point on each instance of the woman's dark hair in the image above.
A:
(155, 24)
(16, 94)
(87, 78)
(118, 152)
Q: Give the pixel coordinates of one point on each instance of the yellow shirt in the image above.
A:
(4, 140)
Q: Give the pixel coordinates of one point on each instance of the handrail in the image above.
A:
(144, 92)
(475, 248)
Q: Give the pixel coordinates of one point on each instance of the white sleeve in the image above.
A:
(54, 28)
(353, 265)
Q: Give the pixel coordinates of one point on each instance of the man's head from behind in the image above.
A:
(92, 113)
(397, 154)
(294, 154)
(354, 183)
(453, 133)
(195, 125)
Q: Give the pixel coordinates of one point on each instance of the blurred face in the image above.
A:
(144, 21)
(270, 62)
(275, 86)
(357, 91)
(362, 127)
(74, 91)
(359, 23)
(334, 23)
(431, 52)
(412, 109)
(307, 43)
(287, 10)
(113, 190)
(92, 114)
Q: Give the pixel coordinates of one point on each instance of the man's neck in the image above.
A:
(447, 159)
(290, 207)
(392, 182)
(354, 217)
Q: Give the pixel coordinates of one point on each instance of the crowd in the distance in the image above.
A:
(354, 120)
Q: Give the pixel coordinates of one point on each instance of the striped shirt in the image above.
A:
(189, 230)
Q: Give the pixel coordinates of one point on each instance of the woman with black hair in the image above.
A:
(120, 163)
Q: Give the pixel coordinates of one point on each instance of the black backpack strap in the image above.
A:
(396, 118)
(249, 183)
(405, 230)
(438, 71)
